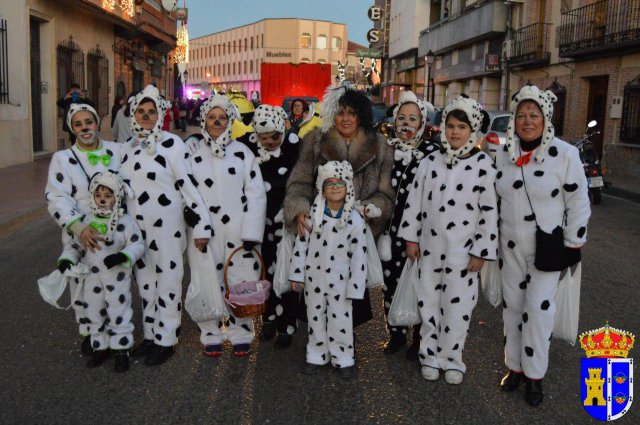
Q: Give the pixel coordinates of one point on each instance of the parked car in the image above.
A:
(286, 103)
(496, 134)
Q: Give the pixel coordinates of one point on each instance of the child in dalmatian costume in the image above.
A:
(276, 152)
(233, 191)
(156, 165)
(540, 181)
(410, 118)
(107, 289)
(331, 264)
(67, 191)
(450, 224)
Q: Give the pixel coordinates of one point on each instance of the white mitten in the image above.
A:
(384, 246)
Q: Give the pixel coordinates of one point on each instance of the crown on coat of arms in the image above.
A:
(607, 342)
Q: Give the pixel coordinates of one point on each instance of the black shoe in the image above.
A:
(533, 392)
(143, 349)
(158, 355)
(85, 346)
(347, 372)
(396, 342)
(511, 381)
(268, 331)
(413, 351)
(311, 369)
(122, 360)
(97, 357)
(283, 340)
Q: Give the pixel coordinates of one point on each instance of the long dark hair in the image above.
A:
(361, 105)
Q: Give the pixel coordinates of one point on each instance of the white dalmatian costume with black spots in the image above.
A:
(233, 191)
(332, 263)
(407, 157)
(67, 191)
(275, 167)
(451, 212)
(156, 165)
(557, 187)
(107, 292)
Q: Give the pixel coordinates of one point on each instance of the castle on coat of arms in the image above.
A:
(595, 388)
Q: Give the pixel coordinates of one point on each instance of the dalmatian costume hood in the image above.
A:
(266, 119)
(219, 145)
(74, 108)
(337, 170)
(475, 116)
(544, 99)
(120, 190)
(397, 143)
(148, 138)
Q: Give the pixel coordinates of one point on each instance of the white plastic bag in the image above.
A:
(283, 259)
(404, 309)
(204, 300)
(375, 277)
(490, 281)
(52, 286)
(565, 325)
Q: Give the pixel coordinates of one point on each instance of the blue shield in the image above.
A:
(606, 387)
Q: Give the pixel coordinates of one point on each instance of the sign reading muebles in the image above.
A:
(278, 54)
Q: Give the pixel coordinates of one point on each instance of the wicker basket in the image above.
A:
(252, 310)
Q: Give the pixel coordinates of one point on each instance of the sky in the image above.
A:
(210, 16)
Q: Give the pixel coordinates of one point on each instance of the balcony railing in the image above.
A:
(530, 46)
(600, 28)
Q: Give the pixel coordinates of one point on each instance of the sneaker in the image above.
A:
(268, 331)
(430, 373)
(396, 341)
(241, 350)
(213, 350)
(413, 351)
(143, 349)
(158, 355)
(311, 369)
(122, 360)
(453, 377)
(85, 346)
(97, 357)
(347, 372)
(283, 340)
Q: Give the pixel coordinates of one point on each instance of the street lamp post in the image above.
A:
(184, 86)
(430, 58)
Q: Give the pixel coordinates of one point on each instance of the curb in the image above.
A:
(15, 223)
(621, 193)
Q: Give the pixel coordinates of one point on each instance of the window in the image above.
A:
(228, 69)
(321, 42)
(261, 40)
(305, 40)
(245, 44)
(234, 68)
(336, 43)
(251, 66)
(98, 80)
(234, 46)
(245, 67)
(251, 43)
(70, 64)
(224, 51)
(630, 125)
(4, 63)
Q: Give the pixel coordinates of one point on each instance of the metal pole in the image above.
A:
(429, 81)
(433, 86)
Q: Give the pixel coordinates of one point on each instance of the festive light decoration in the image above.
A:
(109, 4)
(128, 7)
(374, 68)
(181, 53)
(341, 69)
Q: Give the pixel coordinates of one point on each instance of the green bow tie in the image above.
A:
(100, 227)
(93, 158)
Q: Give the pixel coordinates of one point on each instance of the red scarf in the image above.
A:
(524, 159)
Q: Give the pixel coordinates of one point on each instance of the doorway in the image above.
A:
(597, 108)
(36, 86)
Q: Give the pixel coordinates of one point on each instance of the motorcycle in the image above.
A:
(592, 164)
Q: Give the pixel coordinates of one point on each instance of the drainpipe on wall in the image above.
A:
(504, 104)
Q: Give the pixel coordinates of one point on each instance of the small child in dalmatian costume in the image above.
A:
(233, 191)
(549, 172)
(107, 289)
(67, 191)
(156, 165)
(451, 227)
(276, 152)
(330, 263)
(410, 119)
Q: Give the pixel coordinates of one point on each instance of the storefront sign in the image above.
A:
(491, 62)
(406, 63)
(278, 55)
(369, 53)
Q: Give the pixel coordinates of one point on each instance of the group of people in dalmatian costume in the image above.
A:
(218, 198)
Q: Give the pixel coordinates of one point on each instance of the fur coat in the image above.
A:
(372, 161)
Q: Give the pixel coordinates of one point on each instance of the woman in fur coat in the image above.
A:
(347, 134)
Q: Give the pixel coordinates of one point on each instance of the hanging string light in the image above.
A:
(374, 68)
(181, 53)
(109, 4)
(128, 7)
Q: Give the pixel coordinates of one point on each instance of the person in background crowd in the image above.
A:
(121, 128)
(299, 111)
(541, 183)
(73, 95)
(118, 104)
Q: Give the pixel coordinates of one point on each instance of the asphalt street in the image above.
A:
(44, 379)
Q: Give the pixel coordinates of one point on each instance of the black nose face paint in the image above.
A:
(145, 117)
(217, 122)
(85, 130)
